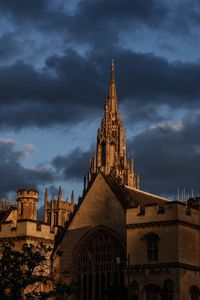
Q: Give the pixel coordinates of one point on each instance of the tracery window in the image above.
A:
(194, 293)
(152, 246)
(100, 267)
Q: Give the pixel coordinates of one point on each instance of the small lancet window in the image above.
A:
(134, 290)
(167, 292)
(194, 293)
(152, 246)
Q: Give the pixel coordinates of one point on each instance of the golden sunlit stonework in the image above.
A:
(111, 155)
(117, 241)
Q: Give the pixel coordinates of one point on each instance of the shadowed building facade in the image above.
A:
(122, 242)
(117, 242)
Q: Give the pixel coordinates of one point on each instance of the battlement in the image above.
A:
(29, 229)
(27, 203)
(27, 193)
(170, 211)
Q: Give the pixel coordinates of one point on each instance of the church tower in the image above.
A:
(57, 210)
(110, 157)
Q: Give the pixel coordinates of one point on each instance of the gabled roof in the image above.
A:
(5, 213)
(139, 197)
(128, 197)
(132, 197)
(119, 190)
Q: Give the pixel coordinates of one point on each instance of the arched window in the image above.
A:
(152, 246)
(100, 268)
(134, 290)
(194, 293)
(167, 292)
(152, 292)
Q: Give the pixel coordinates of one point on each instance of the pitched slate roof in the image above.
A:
(132, 197)
(5, 213)
(139, 197)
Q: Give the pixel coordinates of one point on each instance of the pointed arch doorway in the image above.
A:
(100, 266)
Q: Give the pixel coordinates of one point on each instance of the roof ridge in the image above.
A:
(146, 193)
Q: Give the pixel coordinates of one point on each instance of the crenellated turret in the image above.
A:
(27, 204)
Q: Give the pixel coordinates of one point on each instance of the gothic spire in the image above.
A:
(46, 196)
(112, 97)
(111, 141)
(72, 197)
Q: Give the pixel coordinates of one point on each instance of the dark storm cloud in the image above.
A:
(170, 151)
(9, 47)
(73, 165)
(25, 9)
(13, 175)
(183, 17)
(100, 22)
(87, 13)
(29, 97)
(150, 76)
(71, 88)
(140, 9)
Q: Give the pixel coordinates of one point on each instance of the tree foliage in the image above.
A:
(23, 272)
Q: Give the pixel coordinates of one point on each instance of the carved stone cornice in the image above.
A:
(26, 237)
(168, 265)
(162, 223)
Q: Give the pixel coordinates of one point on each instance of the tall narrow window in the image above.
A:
(167, 292)
(134, 290)
(48, 218)
(194, 293)
(152, 246)
(152, 292)
(55, 219)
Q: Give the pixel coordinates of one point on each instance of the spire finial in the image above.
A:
(72, 197)
(46, 196)
(59, 194)
(113, 70)
(112, 87)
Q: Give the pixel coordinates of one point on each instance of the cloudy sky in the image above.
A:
(55, 61)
